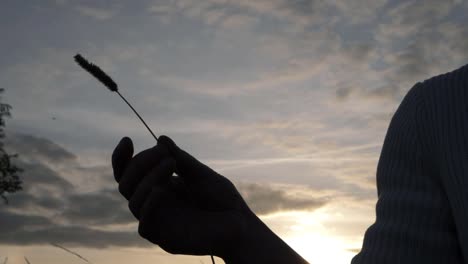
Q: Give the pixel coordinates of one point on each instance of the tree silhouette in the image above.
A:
(9, 178)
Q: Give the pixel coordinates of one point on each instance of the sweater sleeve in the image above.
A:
(446, 127)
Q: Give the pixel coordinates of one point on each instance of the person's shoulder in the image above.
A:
(452, 80)
(443, 94)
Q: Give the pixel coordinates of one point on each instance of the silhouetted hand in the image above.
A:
(198, 212)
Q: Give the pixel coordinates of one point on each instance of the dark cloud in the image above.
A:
(388, 90)
(303, 7)
(104, 207)
(41, 186)
(359, 52)
(14, 222)
(50, 210)
(343, 93)
(24, 229)
(263, 199)
(37, 174)
(38, 148)
(26, 201)
(75, 220)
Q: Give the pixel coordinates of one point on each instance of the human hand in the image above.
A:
(198, 212)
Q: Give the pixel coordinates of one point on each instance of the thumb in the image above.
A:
(188, 166)
(121, 156)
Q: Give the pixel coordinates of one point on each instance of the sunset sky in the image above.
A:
(290, 100)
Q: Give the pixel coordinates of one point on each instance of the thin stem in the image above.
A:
(144, 123)
(149, 129)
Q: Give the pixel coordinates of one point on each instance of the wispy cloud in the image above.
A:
(428, 49)
(360, 11)
(97, 13)
(239, 22)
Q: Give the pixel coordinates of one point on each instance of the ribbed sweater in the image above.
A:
(422, 178)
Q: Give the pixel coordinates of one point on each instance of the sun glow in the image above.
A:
(313, 241)
(320, 248)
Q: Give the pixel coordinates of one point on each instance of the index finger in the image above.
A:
(189, 167)
(139, 166)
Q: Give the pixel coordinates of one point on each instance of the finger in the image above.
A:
(188, 166)
(122, 154)
(150, 225)
(177, 185)
(159, 175)
(138, 167)
(161, 220)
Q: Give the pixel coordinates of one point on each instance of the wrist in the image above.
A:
(258, 244)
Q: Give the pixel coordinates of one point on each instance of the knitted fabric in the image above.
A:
(422, 178)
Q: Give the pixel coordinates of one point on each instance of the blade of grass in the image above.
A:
(112, 86)
(71, 252)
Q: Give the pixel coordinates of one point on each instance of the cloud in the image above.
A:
(24, 229)
(299, 59)
(360, 11)
(417, 43)
(105, 207)
(408, 19)
(51, 209)
(237, 21)
(413, 41)
(97, 13)
(343, 92)
(264, 199)
(295, 12)
(39, 148)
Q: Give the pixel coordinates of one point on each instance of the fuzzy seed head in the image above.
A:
(96, 72)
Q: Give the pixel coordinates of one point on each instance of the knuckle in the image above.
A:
(167, 165)
(227, 182)
(143, 230)
(133, 206)
(161, 149)
(169, 245)
(123, 189)
(171, 163)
